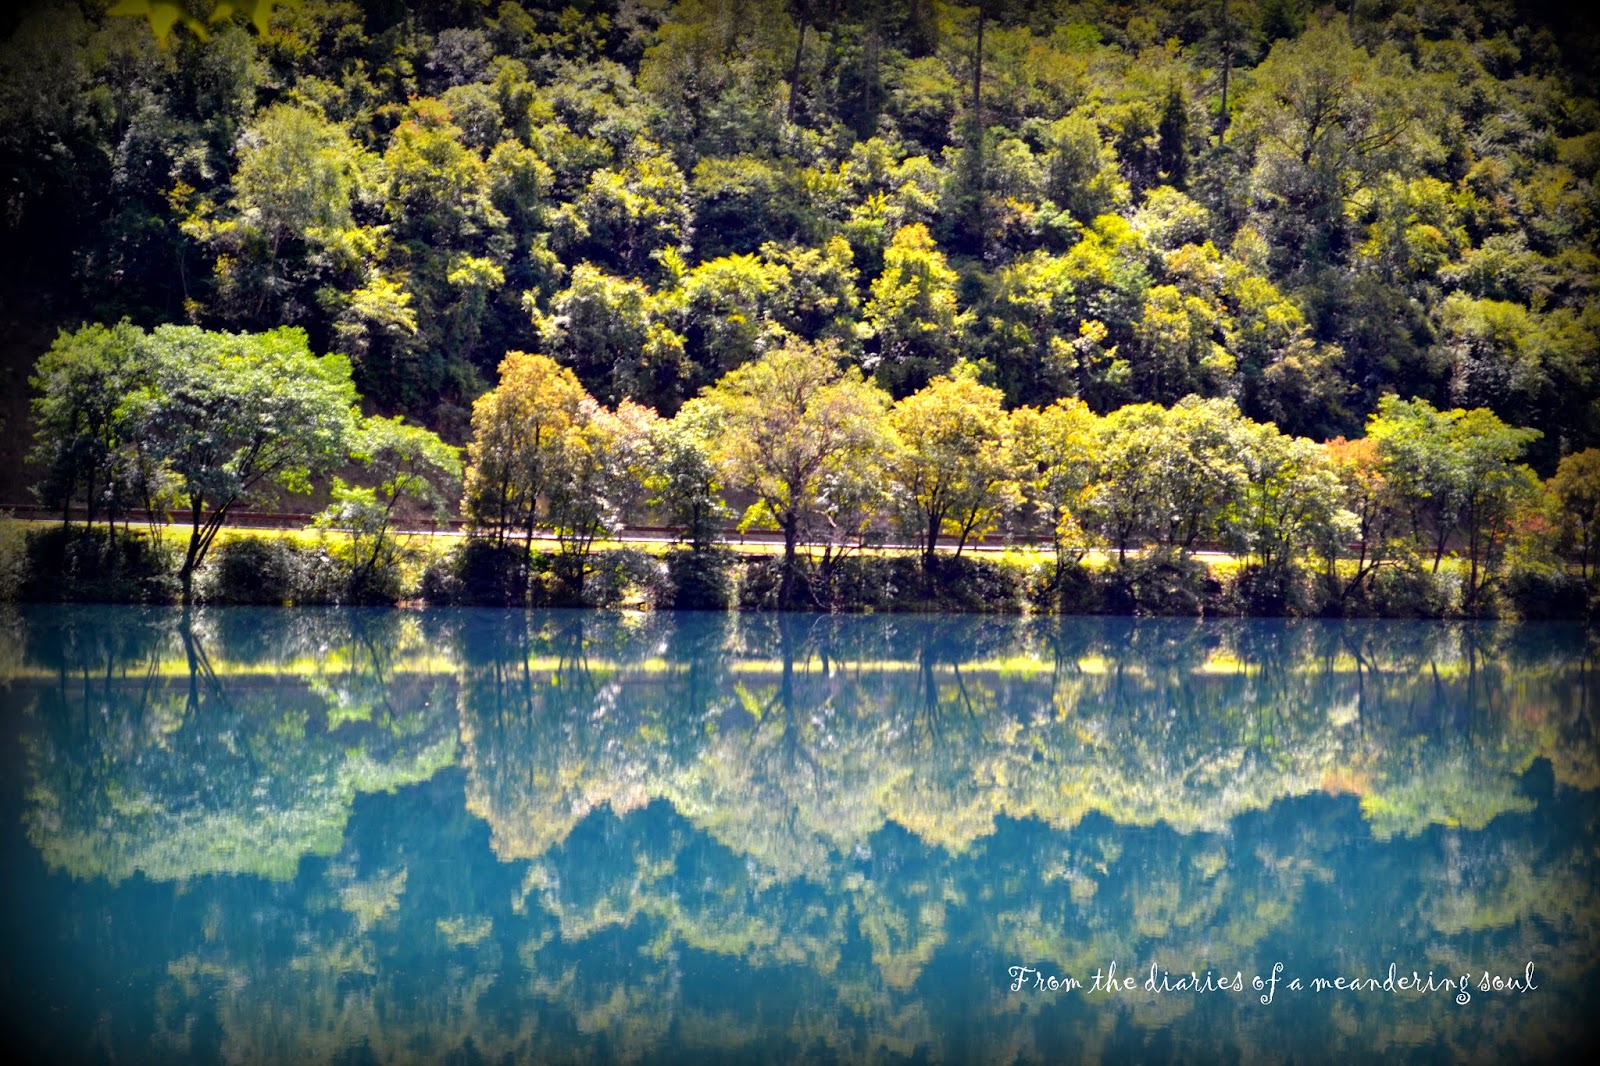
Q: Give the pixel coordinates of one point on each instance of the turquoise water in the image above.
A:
(306, 836)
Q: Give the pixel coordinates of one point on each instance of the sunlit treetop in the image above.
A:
(163, 15)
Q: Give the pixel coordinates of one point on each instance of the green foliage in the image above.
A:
(96, 565)
(1456, 472)
(790, 424)
(701, 580)
(1299, 212)
(86, 428)
(517, 432)
(415, 470)
(1576, 488)
(478, 572)
(955, 470)
(272, 571)
(684, 482)
(229, 416)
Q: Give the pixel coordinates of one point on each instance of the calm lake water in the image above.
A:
(305, 836)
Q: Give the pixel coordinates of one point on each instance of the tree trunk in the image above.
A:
(186, 575)
(794, 74)
(791, 535)
(1227, 66)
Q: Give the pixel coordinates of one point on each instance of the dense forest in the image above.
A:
(1300, 208)
(1224, 218)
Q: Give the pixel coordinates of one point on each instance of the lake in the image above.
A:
(476, 836)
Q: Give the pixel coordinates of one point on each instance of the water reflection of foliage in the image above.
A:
(843, 807)
(805, 748)
(178, 775)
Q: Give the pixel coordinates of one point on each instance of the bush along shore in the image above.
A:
(84, 564)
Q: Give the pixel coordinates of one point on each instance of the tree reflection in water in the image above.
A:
(579, 836)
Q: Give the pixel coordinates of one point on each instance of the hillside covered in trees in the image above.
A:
(1298, 207)
(1117, 270)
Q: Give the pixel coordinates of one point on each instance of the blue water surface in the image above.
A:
(292, 836)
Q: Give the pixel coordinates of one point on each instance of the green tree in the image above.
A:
(1291, 499)
(292, 198)
(228, 416)
(726, 311)
(1497, 488)
(1373, 505)
(412, 467)
(1059, 446)
(1457, 473)
(684, 482)
(1576, 487)
(1326, 118)
(85, 430)
(787, 419)
(916, 323)
(1080, 170)
(518, 432)
(617, 335)
(627, 217)
(955, 471)
(1176, 476)
(599, 477)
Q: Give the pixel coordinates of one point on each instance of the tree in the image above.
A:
(726, 306)
(230, 415)
(788, 419)
(601, 464)
(915, 321)
(613, 332)
(1290, 501)
(1203, 467)
(1326, 117)
(412, 466)
(1370, 499)
(291, 199)
(627, 217)
(1497, 487)
(1457, 472)
(518, 431)
(85, 430)
(1080, 170)
(684, 483)
(955, 471)
(1058, 446)
(1576, 487)
(1177, 476)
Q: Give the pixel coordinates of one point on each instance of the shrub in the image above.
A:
(279, 571)
(1162, 583)
(1546, 592)
(888, 583)
(1408, 592)
(1282, 592)
(13, 558)
(97, 565)
(701, 581)
(1073, 589)
(627, 577)
(479, 573)
(361, 580)
(253, 570)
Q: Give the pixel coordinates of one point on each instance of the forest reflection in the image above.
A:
(583, 835)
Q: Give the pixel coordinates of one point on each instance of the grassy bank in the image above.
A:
(42, 562)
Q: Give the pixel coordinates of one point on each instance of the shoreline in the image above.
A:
(299, 568)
